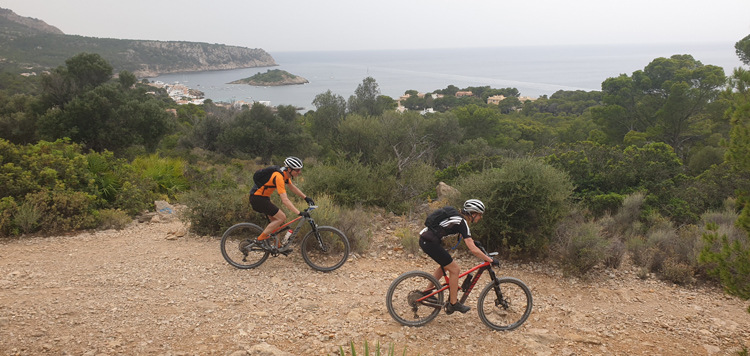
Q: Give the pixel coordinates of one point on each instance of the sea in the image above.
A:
(533, 70)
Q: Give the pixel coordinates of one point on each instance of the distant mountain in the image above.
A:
(12, 24)
(29, 42)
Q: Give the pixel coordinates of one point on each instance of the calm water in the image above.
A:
(533, 70)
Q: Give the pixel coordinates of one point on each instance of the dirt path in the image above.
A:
(145, 291)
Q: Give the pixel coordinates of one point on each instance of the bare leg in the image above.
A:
(453, 272)
(276, 221)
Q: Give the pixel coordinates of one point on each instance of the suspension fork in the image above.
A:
(314, 228)
(499, 300)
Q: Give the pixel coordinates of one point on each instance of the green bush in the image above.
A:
(603, 203)
(350, 182)
(27, 217)
(353, 222)
(63, 210)
(211, 211)
(63, 182)
(112, 219)
(728, 260)
(8, 208)
(525, 200)
(168, 173)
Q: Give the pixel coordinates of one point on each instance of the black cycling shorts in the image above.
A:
(263, 205)
(435, 251)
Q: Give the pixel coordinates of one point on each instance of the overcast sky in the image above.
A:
(308, 25)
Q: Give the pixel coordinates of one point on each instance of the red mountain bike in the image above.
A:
(324, 248)
(504, 304)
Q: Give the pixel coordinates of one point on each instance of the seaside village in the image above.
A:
(493, 100)
(182, 94)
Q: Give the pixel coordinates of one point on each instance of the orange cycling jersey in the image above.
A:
(277, 181)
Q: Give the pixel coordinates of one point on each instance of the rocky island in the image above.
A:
(274, 77)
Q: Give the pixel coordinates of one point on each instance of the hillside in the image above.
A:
(274, 77)
(151, 289)
(28, 42)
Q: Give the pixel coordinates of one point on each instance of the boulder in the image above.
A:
(446, 192)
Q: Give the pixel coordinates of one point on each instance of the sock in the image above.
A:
(262, 236)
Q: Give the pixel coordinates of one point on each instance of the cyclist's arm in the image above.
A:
(281, 189)
(288, 203)
(476, 251)
(296, 190)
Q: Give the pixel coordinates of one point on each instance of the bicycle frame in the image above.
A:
(296, 230)
(486, 266)
(482, 267)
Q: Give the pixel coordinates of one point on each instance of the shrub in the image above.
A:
(582, 248)
(63, 210)
(8, 208)
(525, 199)
(639, 251)
(27, 217)
(354, 222)
(630, 212)
(409, 240)
(603, 203)
(349, 182)
(391, 350)
(168, 173)
(727, 260)
(614, 254)
(676, 272)
(112, 219)
(211, 211)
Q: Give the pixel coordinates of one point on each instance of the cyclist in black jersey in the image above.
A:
(429, 241)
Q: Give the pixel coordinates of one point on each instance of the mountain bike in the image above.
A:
(324, 248)
(503, 305)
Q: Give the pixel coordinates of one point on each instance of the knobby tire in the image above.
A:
(500, 317)
(402, 295)
(334, 253)
(243, 236)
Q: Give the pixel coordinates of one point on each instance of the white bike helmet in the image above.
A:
(293, 163)
(474, 206)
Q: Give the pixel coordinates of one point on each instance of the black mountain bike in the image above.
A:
(504, 304)
(324, 248)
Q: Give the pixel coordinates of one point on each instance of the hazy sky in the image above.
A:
(305, 25)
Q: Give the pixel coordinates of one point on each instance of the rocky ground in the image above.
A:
(152, 289)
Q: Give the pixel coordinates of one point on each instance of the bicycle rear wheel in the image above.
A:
(327, 253)
(240, 247)
(402, 296)
(506, 305)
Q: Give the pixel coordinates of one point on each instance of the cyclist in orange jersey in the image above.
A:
(260, 197)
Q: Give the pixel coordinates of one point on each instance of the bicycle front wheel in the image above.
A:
(504, 305)
(325, 250)
(240, 247)
(403, 294)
